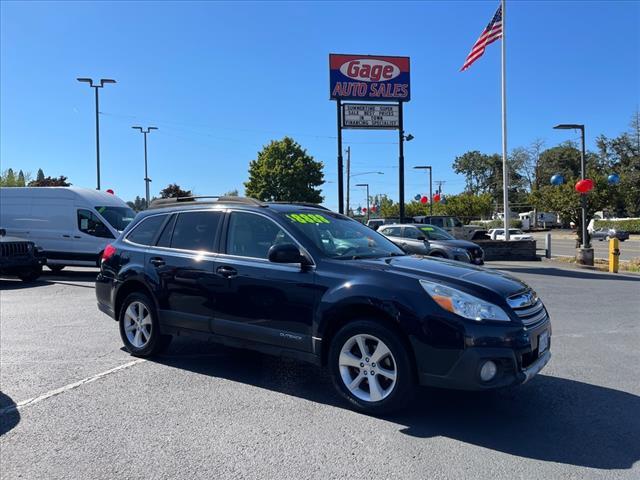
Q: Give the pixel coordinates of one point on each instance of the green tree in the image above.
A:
(483, 174)
(40, 175)
(60, 181)
(138, 204)
(284, 171)
(173, 190)
(231, 193)
(10, 179)
(21, 181)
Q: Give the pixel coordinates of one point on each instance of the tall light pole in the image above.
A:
(146, 174)
(586, 244)
(428, 167)
(403, 138)
(348, 176)
(356, 175)
(96, 86)
(365, 185)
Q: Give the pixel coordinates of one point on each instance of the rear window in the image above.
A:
(145, 232)
(196, 230)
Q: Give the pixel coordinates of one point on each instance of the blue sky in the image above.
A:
(220, 80)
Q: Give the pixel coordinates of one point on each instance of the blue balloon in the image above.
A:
(417, 197)
(613, 179)
(557, 179)
(443, 199)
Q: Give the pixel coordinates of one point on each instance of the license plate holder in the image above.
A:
(543, 342)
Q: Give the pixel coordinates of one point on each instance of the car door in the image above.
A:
(91, 236)
(182, 262)
(259, 300)
(414, 240)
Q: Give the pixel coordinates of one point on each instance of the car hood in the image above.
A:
(454, 244)
(463, 275)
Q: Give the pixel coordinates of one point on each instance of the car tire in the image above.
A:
(56, 268)
(351, 368)
(30, 275)
(139, 327)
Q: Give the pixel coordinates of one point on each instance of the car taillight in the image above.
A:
(108, 252)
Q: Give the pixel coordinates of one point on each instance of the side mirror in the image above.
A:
(285, 253)
(421, 237)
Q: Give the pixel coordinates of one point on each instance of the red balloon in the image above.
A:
(584, 186)
(110, 191)
(364, 210)
(373, 209)
(436, 197)
(424, 200)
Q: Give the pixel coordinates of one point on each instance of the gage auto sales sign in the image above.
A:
(369, 77)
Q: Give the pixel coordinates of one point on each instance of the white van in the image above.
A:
(72, 225)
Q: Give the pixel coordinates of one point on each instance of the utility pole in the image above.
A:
(428, 167)
(96, 86)
(440, 183)
(366, 185)
(348, 176)
(146, 174)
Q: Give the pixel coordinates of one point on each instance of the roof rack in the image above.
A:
(303, 204)
(204, 199)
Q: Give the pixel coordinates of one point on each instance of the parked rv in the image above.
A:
(71, 225)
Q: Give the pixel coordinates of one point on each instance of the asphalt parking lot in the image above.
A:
(74, 405)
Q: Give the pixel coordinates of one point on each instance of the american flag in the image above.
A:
(490, 34)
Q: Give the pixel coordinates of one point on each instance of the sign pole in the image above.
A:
(505, 164)
(401, 163)
(340, 167)
(348, 176)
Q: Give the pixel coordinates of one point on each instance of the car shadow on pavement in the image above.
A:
(570, 273)
(49, 278)
(550, 419)
(9, 415)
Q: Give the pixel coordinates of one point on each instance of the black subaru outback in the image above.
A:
(302, 281)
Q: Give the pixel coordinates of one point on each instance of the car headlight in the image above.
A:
(463, 304)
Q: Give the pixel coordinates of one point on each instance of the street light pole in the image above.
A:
(586, 243)
(96, 86)
(428, 167)
(348, 176)
(146, 175)
(366, 185)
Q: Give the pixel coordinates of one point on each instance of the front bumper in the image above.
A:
(516, 363)
(22, 262)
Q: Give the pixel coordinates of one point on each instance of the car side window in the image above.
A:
(196, 230)
(90, 224)
(414, 233)
(437, 222)
(392, 231)
(167, 231)
(145, 232)
(253, 235)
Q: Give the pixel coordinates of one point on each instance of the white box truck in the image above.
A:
(71, 225)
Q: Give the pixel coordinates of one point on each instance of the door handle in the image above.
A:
(227, 272)
(77, 236)
(66, 236)
(157, 262)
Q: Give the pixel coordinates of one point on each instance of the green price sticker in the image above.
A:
(426, 229)
(307, 218)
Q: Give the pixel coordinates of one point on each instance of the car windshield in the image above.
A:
(118, 217)
(435, 233)
(340, 237)
(515, 231)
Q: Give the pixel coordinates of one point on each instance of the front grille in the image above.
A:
(531, 314)
(14, 249)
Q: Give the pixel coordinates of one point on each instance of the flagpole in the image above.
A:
(505, 169)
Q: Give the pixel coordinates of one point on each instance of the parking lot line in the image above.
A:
(70, 386)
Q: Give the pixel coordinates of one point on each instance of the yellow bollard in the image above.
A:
(614, 255)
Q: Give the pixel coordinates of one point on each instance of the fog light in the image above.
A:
(488, 371)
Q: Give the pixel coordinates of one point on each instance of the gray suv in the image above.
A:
(433, 241)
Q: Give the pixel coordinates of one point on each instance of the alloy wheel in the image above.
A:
(367, 368)
(137, 324)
